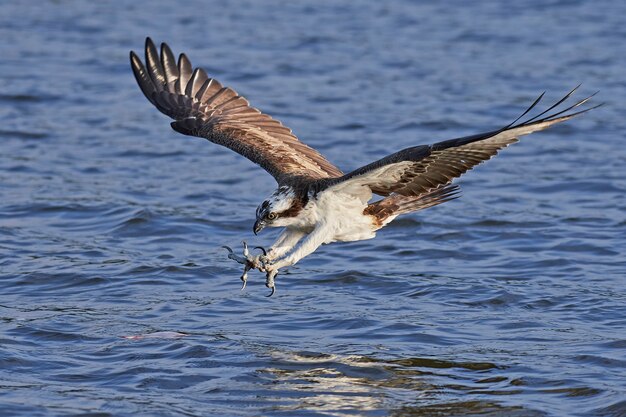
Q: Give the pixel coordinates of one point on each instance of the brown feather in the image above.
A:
(202, 107)
(420, 169)
(298, 204)
(396, 204)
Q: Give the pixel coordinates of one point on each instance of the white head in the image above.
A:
(278, 210)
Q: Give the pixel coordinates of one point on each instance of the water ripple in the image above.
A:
(117, 298)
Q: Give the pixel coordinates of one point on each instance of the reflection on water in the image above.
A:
(465, 408)
(341, 385)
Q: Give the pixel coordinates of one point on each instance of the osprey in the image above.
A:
(315, 202)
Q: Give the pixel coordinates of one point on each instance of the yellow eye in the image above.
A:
(271, 216)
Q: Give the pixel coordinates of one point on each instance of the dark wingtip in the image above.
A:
(135, 62)
(573, 106)
(141, 76)
(532, 106)
(541, 117)
(149, 46)
(583, 111)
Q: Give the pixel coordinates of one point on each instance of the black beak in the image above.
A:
(258, 226)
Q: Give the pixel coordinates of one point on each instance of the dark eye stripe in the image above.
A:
(262, 208)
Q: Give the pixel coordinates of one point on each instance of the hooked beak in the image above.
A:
(258, 226)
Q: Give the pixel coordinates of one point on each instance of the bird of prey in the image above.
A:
(315, 202)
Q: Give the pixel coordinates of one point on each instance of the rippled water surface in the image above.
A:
(507, 302)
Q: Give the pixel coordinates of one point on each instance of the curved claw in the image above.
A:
(233, 256)
(263, 259)
(244, 276)
(269, 280)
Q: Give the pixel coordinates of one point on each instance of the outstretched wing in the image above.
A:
(420, 169)
(202, 107)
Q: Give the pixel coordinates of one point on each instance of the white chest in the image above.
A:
(340, 214)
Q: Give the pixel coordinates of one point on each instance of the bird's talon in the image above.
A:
(244, 277)
(269, 280)
(249, 262)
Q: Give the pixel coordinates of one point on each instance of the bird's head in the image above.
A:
(279, 210)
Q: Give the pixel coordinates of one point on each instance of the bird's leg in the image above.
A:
(306, 247)
(269, 281)
(285, 242)
(249, 262)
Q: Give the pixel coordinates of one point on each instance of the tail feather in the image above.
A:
(387, 209)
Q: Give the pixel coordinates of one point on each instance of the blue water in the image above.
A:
(510, 301)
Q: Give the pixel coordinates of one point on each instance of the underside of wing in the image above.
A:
(202, 107)
(420, 169)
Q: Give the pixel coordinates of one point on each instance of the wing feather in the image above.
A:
(201, 106)
(421, 169)
(184, 73)
(154, 66)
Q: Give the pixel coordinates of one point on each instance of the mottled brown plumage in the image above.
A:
(388, 208)
(202, 107)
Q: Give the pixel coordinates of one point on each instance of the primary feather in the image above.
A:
(416, 170)
(202, 107)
